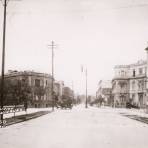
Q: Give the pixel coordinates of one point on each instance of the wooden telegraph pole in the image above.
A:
(52, 84)
(85, 70)
(3, 62)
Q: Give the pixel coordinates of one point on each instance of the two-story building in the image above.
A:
(39, 84)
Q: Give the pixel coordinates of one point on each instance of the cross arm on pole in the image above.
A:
(52, 44)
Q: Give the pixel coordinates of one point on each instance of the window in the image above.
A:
(133, 85)
(140, 71)
(36, 98)
(133, 96)
(46, 82)
(23, 81)
(134, 72)
(37, 82)
(141, 84)
(122, 73)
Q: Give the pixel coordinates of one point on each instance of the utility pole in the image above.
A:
(73, 97)
(85, 70)
(52, 84)
(86, 88)
(3, 62)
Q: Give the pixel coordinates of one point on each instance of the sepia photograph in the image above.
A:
(73, 73)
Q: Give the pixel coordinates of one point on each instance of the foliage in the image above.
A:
(16, 91)
(98, 101)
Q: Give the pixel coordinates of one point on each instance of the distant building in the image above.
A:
(39, 83)
(105, 91)
(91, 98)
(81, 98)
(58, 89)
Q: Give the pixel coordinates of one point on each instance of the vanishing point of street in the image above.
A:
(77, 128)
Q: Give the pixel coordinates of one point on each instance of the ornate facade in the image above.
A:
(129, 84)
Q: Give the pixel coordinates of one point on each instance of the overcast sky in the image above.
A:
(96, 33)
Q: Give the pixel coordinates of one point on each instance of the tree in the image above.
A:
(16, 91)
(98, 101)
(25, 92)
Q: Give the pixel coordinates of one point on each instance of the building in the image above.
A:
(105, 91)
(58, 89)
(129, 84)
(91, 98)
(81, 99)
(39, 85)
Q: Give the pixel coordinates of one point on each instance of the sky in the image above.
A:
(97, 34)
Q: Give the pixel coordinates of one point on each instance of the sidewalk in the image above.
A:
(24, 116)
(136, 114)
(29, 111)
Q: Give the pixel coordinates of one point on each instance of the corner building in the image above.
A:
(130, 84)
(39, 83)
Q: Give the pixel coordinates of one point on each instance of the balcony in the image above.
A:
(138, 76)
(123, 77)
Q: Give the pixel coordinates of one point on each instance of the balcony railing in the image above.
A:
(129, 76)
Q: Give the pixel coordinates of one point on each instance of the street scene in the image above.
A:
(73, 73)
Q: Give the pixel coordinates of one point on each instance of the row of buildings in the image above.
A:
(130, 84)
(39, 87)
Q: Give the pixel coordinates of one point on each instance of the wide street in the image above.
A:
(77, 128)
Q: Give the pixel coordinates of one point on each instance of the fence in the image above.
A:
(10, 109)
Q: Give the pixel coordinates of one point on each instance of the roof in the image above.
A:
(139, 63)
(14, 73)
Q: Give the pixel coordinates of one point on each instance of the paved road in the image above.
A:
(77, 128)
